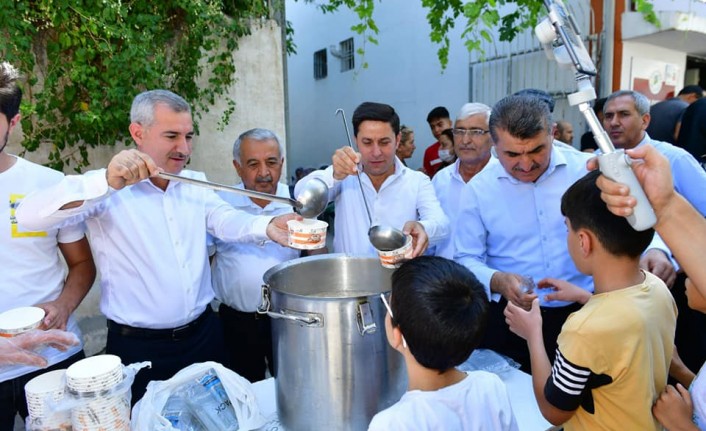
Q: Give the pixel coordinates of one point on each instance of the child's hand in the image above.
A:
(526, 324)
(673, 409)
(563, 291)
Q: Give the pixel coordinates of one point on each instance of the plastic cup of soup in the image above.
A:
(19, 320)
(394, 258)
(307, 234)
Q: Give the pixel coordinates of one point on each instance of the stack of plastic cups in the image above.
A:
(41, 389)
(91, 380)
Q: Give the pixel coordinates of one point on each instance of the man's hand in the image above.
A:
(18, 350)
(526, 324)
(563, 291)
(508, 285)
(130, 167)
(277, 229)
(420, 240)
(345, 162)
(674, 409)
(656, 262)
(653, 172)
(57, 314)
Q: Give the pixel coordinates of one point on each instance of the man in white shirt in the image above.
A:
(32, 272)
(398, 196)
(472, 147)
(237, 268)
(513, 229)
(149, 237)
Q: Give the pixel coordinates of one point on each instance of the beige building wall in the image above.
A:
(259, 102)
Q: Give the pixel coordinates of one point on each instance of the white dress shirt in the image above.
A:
(448, 185)
(149, 244)
(237, 268)
(404, 196)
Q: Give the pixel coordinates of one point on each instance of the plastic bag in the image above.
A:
(147, 413)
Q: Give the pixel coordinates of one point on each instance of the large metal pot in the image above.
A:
(333, 366)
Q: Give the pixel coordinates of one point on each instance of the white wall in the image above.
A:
(403, 71)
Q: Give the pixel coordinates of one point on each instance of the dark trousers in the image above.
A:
(12, 393)
(499, 338)
(690, 336)
(248, 342)
(169, 354)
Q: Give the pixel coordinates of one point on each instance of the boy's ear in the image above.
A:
(587, 242)
(397, 340)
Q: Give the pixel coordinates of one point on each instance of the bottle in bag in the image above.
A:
(210, 403)
(178, 413)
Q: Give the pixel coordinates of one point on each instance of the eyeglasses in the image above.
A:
(469, 132)
(392, 317)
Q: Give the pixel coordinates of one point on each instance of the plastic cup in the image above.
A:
(19, 320)
(307, 234)
(394, 258)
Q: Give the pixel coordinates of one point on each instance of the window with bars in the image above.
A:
(347, 50)
(320, 64)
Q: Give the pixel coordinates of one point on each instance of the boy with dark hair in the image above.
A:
(613, 354)
(437, 316)
(439, 120)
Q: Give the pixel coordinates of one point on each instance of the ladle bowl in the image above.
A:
(313, 195)
(386, 238)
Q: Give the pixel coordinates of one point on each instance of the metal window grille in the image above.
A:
(320, 64)
(347, 55)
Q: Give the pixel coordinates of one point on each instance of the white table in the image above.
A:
(519, 387)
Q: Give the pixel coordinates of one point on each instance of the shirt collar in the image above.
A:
(242, 201)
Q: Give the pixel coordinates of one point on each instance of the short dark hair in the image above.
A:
(583, 207)
(437, 113)
(599, 104)
(449, 133)
(441, 309)
(10, 91)
(539, 94)
(372, 111)
(521, 116)
(692, 89)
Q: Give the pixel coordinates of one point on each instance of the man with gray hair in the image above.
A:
(149, 238)
(513, 233)
(471, 136)
(626, 118)
(237, 268)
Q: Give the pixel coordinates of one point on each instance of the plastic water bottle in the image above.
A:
(178, 413)
(211, 404)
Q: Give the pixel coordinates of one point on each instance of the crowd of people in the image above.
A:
(519, 245)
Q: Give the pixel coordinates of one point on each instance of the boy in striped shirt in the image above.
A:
(614, 353)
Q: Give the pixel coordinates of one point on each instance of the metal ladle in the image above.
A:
(311, 200)
(383, 238)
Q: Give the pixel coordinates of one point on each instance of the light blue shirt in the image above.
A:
(512, 226)
(689, 176)
(448, 185)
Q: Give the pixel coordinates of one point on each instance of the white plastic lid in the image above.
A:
(95, 366)
(19, 320)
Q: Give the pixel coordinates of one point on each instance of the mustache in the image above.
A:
(178, 155)
(267, 179)
(533, 167)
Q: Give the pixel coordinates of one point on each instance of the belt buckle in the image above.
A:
(176, 332)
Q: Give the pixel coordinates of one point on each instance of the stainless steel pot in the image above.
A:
(333, 366)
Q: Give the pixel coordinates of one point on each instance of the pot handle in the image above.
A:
(307, 319)
(366, 323)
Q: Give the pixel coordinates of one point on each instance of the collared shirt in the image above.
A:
(32, 271)
(404, 196)
(149, 244)
(689, 177)
(448, 185)
(237, 268)
(512, 226)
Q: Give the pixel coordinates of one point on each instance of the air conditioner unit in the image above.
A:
(335, 51)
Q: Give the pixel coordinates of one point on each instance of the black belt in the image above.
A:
(178, 333)
(249, 315)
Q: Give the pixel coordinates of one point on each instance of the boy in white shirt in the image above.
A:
(437, 316)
